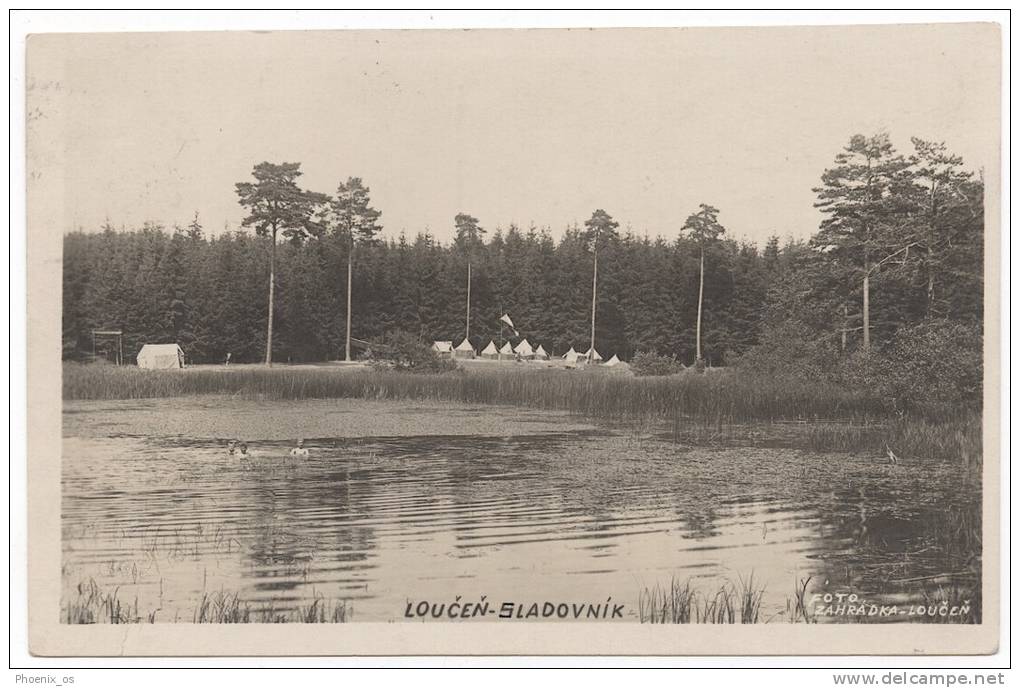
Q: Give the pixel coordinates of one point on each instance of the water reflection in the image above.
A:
(574, 517)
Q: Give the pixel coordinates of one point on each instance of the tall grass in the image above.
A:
(93, 605)
(680, 603)
(722, 395)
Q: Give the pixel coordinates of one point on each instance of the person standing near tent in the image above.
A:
(227, 362)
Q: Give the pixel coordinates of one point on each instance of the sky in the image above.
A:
(511, 126)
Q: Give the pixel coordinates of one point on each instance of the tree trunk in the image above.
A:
(272, 296)
(866, 308)
(350, 263)
(842, 335)
(701, 295)
(594, 291)
(932, 213)
(467, 324)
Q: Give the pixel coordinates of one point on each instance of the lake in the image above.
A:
(551, 511)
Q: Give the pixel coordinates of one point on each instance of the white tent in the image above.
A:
(507, 350)
(490, 351)
(541, 354)
(588, 356)
(464, 350)
(613, 361)
(161, 356)
(443, 348)
(571, 356)
(524, 349)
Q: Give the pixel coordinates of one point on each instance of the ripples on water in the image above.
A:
(576, 517)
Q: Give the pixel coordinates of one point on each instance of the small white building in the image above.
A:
(507, 351)
(443, 348)
(541, 354)
(161, 357)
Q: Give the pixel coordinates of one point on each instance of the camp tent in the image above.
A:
(613, 361)
(490, 351)
(161, 356)
(588, 355)
(443, 348)
(464, 350)
(524, 349)
(507, 350)
(571, 356)
(541, 354)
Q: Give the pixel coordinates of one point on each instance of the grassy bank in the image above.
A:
(721, 395)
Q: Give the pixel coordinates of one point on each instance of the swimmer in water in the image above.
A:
(242, 451)
(231, 447)
(299, 450)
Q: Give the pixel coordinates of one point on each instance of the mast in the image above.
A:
(594, 287)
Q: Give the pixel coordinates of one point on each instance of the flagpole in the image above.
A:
(467, 326)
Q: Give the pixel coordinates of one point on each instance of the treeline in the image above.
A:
(210, 293)
(901, 246)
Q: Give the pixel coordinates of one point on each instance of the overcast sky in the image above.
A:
(510, 126)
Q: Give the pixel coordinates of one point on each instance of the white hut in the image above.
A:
(541, 354)
(589, 357)
(161, 356)
(464, 350)
(571, 356)
(490, 352)
(613, 361)
(443, 348)
(524, 350)
(507, 351)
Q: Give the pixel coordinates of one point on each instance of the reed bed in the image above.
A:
(722, 395)
(740, 602)
(680, 603)
(93, 605)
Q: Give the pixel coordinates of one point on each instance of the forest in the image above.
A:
(900, 250)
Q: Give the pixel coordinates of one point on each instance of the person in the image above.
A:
(242, 450)
(299, 450)
(227, 362)
(231, 447)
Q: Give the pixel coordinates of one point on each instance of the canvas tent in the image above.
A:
(464, 350)
(541, 354)
(613, 361)
(507, 350)
(588, 355)
(524, 349)
(571, 356)
(161, 356)
(490, 351)
(443, 348)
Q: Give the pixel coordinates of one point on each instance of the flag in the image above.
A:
(508, 321)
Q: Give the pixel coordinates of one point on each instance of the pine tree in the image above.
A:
(276, 204)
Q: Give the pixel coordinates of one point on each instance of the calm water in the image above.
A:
(573, 517)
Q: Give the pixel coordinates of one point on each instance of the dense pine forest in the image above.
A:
(900, 250)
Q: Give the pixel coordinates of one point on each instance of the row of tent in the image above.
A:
(523, 350)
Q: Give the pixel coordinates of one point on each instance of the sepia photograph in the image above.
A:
(612, 340)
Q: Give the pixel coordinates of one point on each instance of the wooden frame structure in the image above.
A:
(109, 334)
